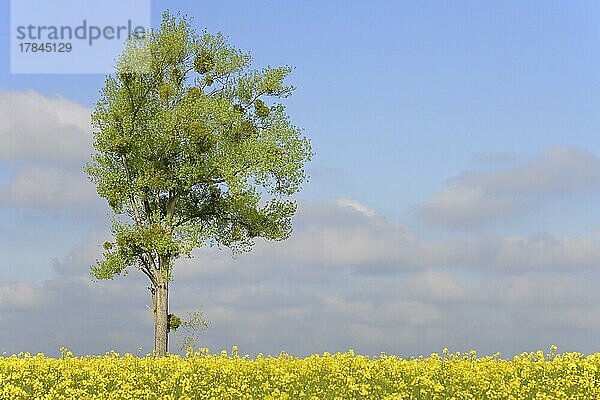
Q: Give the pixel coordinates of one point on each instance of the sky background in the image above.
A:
(453, 199)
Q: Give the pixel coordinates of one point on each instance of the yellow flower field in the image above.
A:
(203, 375)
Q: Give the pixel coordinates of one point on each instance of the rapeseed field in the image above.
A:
(204, 375)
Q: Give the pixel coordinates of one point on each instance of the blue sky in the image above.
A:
(460, 123)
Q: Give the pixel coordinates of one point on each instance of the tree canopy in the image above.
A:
(193, 147)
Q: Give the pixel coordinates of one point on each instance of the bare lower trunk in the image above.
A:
(161, 314)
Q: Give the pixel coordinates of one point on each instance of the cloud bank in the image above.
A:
(46, 140)
(43, 128)
(349, 277)
(476, 198)
(326, 290)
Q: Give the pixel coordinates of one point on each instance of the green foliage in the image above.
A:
(204, 62)
(261, 110)
(193, 325)
(173, 322)
(192, 147)
(112, 265)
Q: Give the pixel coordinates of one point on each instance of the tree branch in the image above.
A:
(134, 206)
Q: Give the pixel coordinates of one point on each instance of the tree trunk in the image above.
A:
(161, 315)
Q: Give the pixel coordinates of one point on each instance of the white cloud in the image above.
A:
(462, 293)
(355, 205)
(557, 170)
(350, 240)
(475, 198)
(20, 296)
(459, 206)
(545, 251)
(43, 189)
(436, 286)
(45, 140)
(43, 128)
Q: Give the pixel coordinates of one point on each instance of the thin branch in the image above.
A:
(134, 206)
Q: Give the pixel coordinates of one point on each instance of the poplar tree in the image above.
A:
(192, 148)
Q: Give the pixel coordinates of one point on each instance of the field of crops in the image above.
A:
(203, 375)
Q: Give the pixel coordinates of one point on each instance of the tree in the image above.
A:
(192, 148)
(193, 325)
